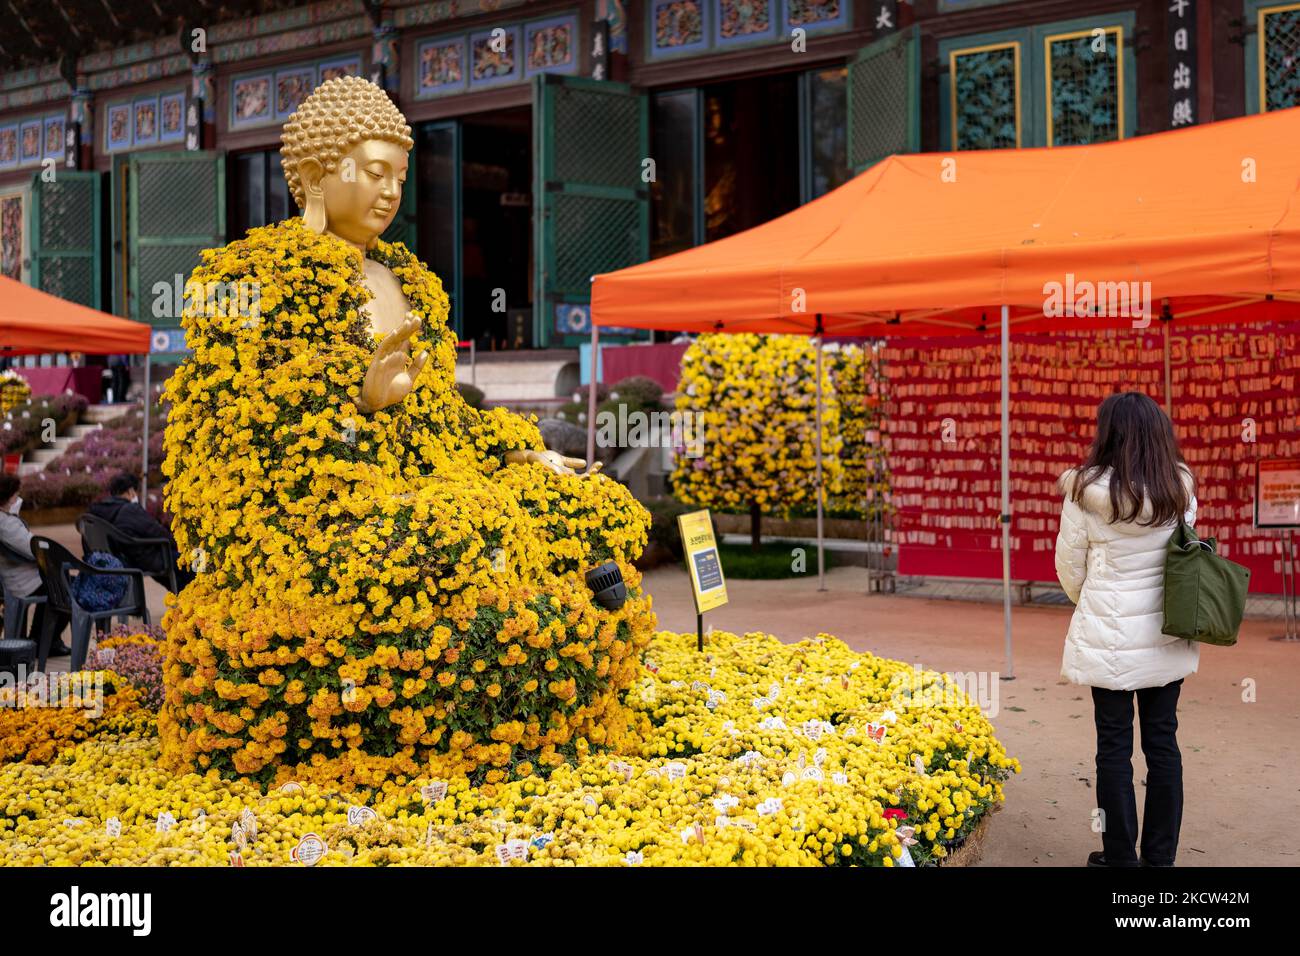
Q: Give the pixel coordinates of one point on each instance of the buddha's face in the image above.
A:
(363, 193)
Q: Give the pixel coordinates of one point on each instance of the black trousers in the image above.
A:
(1162, 813)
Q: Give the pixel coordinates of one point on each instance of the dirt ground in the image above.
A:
(1241, 778)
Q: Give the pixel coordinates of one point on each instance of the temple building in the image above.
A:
(557, 139)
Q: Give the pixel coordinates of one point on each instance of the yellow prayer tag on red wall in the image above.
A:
(702, 560)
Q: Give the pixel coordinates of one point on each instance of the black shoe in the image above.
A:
(1143, 861)
(1097, 858)
(60, 650)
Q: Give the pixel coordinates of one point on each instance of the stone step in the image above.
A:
(99, 414)
(78, 432)
(43, 456)
(518, 380)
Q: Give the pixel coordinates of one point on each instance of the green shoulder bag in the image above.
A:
(1205, 593)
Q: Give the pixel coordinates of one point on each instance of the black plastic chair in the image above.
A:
(100, 535)
(17, 649)
(58, 566)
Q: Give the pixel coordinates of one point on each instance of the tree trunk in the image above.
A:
(755, 527)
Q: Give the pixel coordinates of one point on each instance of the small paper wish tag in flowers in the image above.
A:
(359, 815)
(774, 691)
(590, 801)
(761, 702)
(699, 685)
(248, 820)
(749, 826)
(624, 770)
(541, 841)
(812, 773)
(73, 822)
(769, 807)
(819, 757)
(652, 773)
(309, 851)
(840, 779)
(503, 854)
(889, 717)
(433, 792)
(238, 836)
(749, 757)
(919, 765)
(236, 858)
(772, 723)
(788, 779)
(165, 822)
(803, 760)
(113, 827)
(957, 726)
(107, 655)
(518, 849)
(676, 771)
(850, 732)
(291, 787)
(720, 821)
(725, 802)
(634, 858)
(876, 733)
(651, 666)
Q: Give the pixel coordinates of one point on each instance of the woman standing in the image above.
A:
(1121, 506)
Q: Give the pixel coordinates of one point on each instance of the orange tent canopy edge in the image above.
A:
(33, 322)
(1203, 222)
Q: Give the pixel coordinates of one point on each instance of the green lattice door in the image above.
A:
(66, 242)
(176, 208)
(885, 99)
(591, 205)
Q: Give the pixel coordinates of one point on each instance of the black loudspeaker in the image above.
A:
(606, 583)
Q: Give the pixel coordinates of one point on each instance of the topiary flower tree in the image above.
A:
(755, 398)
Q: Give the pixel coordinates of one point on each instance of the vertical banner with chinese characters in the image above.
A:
(884, 17)
(600, 50)
(1180, 31)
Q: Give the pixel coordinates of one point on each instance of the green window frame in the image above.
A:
(953, 53)
(1033, 51)
(1269, 16)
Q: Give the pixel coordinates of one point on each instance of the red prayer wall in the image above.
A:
(1230, 385)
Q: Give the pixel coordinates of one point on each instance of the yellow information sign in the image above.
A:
(702, 560)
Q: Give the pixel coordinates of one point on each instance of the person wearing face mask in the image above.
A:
(21, 576)
(122, 510)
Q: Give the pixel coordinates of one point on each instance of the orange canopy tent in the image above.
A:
(1193, 226)
(33, 322)
(926, 243)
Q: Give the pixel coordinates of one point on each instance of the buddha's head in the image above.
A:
(344, 153)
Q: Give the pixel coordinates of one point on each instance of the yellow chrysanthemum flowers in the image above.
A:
(377, 592)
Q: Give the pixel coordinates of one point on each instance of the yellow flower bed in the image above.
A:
(375, 591)
(753, 753)
(36, 723)
(756, 396)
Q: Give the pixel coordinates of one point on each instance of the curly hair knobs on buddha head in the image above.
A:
(337, 115)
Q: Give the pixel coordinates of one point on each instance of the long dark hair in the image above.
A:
(1135, 442)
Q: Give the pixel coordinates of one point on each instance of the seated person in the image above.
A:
(21, 577)
(122, 510)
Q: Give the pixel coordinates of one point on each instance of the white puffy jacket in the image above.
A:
(1114, 573)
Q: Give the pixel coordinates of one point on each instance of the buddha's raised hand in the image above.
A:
(392, 371)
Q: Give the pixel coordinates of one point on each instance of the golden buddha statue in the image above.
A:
(392, 583)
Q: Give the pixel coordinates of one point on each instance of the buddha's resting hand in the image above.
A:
(392, 371)
(553, 460)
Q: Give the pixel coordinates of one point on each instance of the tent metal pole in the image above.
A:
(821, 561)
(144, 471)
(1006, 488)
(1169, 378)
(591, 395)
